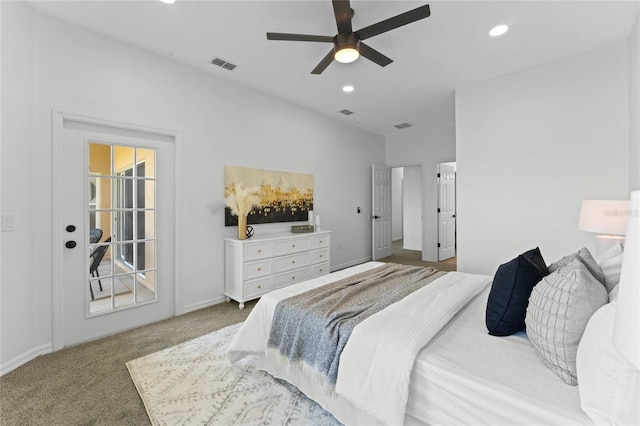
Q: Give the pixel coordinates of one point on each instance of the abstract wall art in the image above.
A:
(283, 196)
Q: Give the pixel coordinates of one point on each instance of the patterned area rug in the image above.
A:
(193, 383)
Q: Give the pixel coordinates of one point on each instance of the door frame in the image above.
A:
(57, 222)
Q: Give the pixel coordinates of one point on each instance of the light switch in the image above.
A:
(8, 223)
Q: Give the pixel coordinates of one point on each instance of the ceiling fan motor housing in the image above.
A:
(346, 40)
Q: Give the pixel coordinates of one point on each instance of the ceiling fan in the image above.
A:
(347, 44)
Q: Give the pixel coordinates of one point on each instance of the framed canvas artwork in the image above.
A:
(283, 196)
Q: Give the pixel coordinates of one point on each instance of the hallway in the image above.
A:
(414, 257)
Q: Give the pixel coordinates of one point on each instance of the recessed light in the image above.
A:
(348, 88)
(498, 30)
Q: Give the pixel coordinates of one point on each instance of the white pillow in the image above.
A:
(613, 294)
(609, 385)
(610, 263)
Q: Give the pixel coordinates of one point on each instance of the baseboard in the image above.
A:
(20, 360)
(202, 304)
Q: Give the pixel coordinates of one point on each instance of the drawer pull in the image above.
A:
(259, 269)
(293, 245)
(321, 270)
(259, 286)
(293, 261)
(321, 241)
(320, 255)
(293, 278)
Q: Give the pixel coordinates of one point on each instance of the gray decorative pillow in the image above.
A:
(585, 256)
(610, 263)
(559, 308)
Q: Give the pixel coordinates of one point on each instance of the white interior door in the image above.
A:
(381, 208)
(116, 220)
(446, 212)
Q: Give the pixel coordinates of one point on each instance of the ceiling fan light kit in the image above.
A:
(347, 44)
(346, 47)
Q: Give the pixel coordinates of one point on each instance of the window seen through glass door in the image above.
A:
(122, 244)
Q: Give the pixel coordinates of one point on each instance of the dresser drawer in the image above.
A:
(286, 263)
(257, 288)
(319, 256)
(257, 251)
(319, 241)
(257, 269)
(320, 269)
(291, 277)
(291, 246)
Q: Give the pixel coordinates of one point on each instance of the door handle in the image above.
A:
(376, 217)
(70, 244)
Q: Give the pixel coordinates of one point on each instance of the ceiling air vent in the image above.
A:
(223, 64)
(402, 125)
(346, 112)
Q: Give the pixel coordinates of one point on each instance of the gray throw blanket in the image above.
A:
(314, 326)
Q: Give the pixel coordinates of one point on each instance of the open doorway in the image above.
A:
(414, 218)
(407, 202)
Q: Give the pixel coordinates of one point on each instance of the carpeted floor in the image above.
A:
(414, 257)
(88, 384)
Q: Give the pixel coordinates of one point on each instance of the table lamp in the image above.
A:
(608, 218)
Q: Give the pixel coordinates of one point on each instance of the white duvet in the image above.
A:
(376, 363)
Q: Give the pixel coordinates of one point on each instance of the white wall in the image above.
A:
(83, 73)
(530, 147)
(396, 203)
(412, 208)
(425, 146)
(634, 107)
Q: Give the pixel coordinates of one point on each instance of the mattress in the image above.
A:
(466, 376)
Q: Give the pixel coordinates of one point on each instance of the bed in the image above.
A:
(460, 375)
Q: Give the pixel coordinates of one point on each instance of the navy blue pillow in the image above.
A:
(510, 291)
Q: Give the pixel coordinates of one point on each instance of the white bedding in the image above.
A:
(463, 376)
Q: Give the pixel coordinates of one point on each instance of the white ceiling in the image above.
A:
(432, 57)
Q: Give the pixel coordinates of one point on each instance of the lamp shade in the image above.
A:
(626, 332)
(604, 216)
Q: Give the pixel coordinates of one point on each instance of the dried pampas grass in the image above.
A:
(241, 200)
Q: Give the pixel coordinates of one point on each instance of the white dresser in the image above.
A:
(258, 265)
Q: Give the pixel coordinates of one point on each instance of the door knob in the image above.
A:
(70, 244)
(70, 228)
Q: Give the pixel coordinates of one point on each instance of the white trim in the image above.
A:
(202, 304)
(57, 140)
(57, 135)
(24, 358)
(178, 221)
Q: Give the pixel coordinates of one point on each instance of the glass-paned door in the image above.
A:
(122, 241)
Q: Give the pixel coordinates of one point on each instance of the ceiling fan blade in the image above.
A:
(395, 22)
(342, 11)
(373, 55)
(324, 63)
(299, 37)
